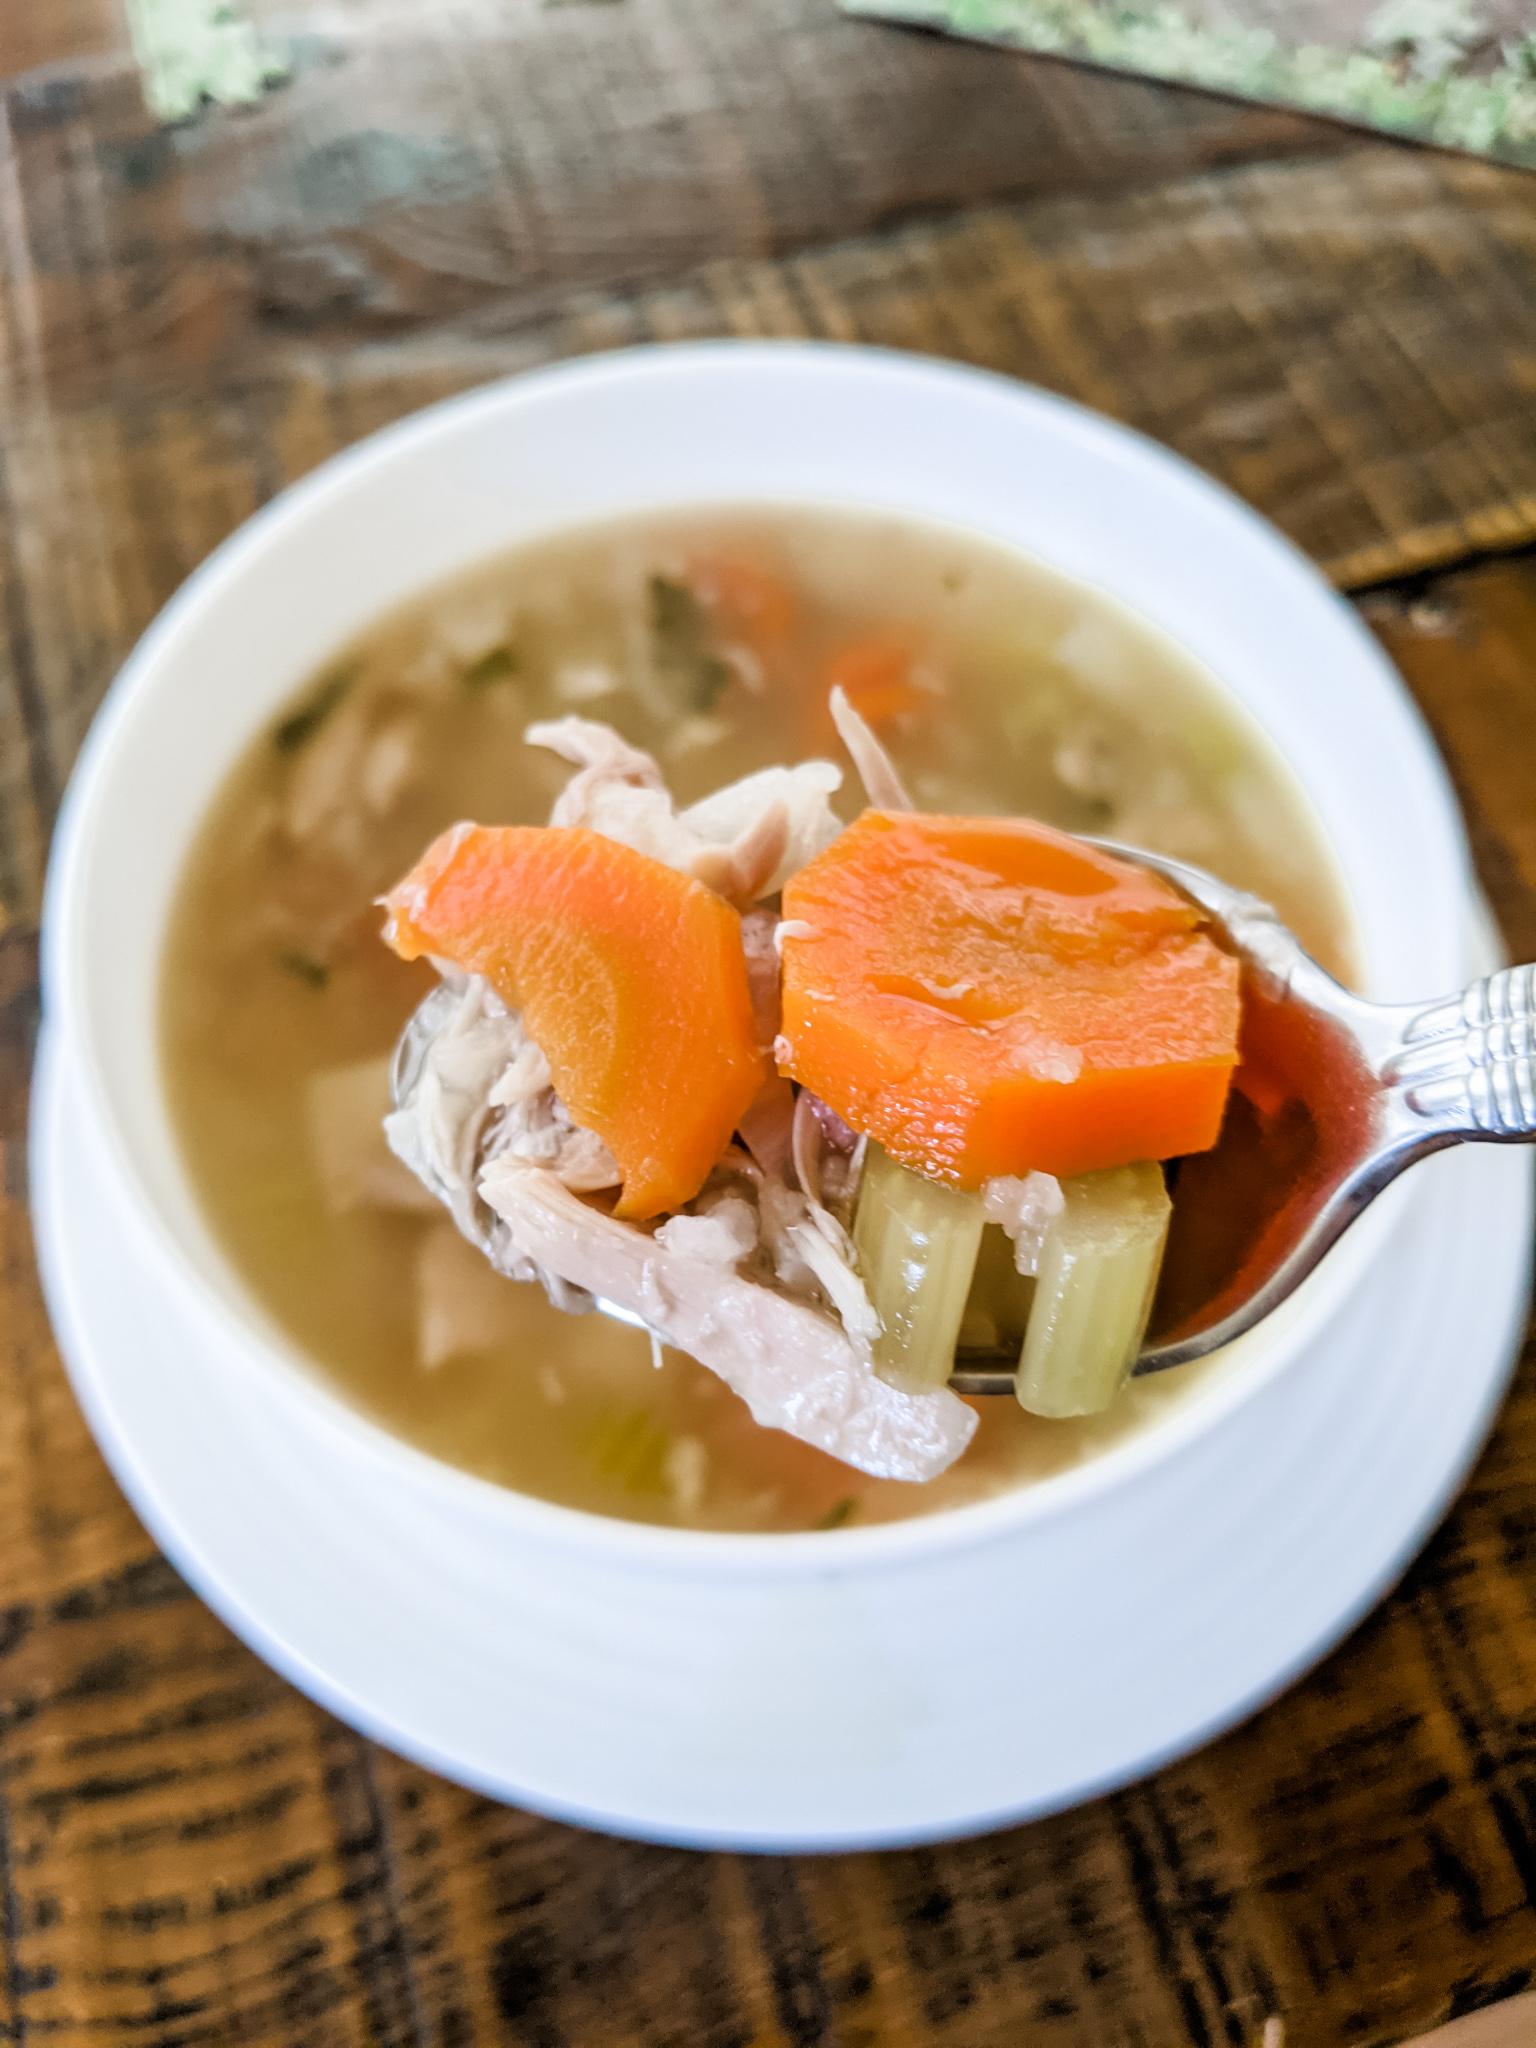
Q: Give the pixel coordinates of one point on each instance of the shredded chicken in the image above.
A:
(794, 1366)
(686, 1471)
(813, 1258)
(757, 1277)
(759, 943)
(343, 1109)
(462, 1039)
(1026, 1206)
(767, 1128)
(810, 823)
(478, 1115)
(350, 774)
(462, 1303)
(745, 841)
(723, 1236)
(606, 760)
(882, 785)
(577, 682)
(841, 1163)
(463, 1048)
(535, 1125)
(352, 753)
(469, 632)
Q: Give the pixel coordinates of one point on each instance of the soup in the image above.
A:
(999, 687)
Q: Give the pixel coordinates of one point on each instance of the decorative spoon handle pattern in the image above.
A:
(1467, 1065)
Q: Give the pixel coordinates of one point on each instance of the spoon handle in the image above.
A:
(1466, 1066)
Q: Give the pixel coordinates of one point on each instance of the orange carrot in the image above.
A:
(630, 977)
(746, 602)
(876, 677)
(985, 995)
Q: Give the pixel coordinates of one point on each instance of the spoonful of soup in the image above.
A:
(1333, 1098)
(864, 1117)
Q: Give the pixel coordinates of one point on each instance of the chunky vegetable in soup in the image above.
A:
(659, 1064)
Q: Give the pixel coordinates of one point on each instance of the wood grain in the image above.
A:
(188, 320)
(189, 1851)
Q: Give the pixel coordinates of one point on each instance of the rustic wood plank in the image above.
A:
(188, 319)
(1222, 314)
(1466, 642)
(433, 170)
(60, 34)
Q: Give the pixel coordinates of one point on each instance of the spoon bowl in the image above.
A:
(1334, 1097)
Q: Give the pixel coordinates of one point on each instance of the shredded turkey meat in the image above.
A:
(756, 1278)
(470, 1085)
(481, 1126)
(877, 771)
(794, 1366)
(744, 841)
(1026, 1206)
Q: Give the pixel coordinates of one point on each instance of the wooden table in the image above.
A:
(1345, 330)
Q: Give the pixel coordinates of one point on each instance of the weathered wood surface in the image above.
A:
(190, 1852)
(189, 318)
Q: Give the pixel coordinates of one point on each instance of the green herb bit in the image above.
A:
(313, 973)
(494, 667)
(710, 677)
(840, 1514)
(680, 637)
(300, 726)
(676, 618)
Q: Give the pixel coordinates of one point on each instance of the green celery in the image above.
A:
(916, 1242)
(1098, 1273)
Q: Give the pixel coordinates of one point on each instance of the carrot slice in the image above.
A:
(984, 996)
(630, 977)
(746, 601)
(876, 678)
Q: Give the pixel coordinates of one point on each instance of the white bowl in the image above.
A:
(774, 1690)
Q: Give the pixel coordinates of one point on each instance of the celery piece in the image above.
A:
(916, 1242)
(495, 666)
(997, 1309)
(1098, 1271)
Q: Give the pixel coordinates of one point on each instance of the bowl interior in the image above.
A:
(729, 424)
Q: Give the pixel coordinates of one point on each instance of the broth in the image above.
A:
(1032, 694)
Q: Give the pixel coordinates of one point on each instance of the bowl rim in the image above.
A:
(282, 1367)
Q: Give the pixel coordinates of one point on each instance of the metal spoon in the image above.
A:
(1359, 1092)
(1364, 1089)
